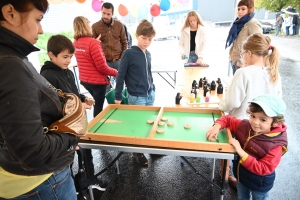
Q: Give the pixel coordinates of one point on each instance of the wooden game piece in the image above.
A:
(161, 123)
(160, 130)
(164, 119)
(150, 121)
(187, 126)
(170, 123)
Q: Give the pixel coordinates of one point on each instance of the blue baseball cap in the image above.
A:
(272, 105)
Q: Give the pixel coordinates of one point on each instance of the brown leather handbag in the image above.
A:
(74, 119)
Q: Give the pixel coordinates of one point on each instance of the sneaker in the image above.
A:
(99, 184)
(140, 158)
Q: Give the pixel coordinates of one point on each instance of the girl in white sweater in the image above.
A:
(192, 43)
(260, 76)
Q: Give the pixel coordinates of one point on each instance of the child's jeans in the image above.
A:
(245, 193)
(144, 101)
(193, 57)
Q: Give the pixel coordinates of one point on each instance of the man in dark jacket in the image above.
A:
(295, 24)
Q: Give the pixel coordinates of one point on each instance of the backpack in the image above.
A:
(128, 37)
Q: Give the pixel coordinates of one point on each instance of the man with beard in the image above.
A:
(113, 37)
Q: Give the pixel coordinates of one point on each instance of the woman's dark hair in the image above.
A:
(108, 5)
(24, 6)
(59, 43)
(249, 4)
(254, 108)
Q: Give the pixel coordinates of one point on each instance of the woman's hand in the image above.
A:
(212, 134)
(98, 38)
(182, 56)
(199, 61)
(118, 102)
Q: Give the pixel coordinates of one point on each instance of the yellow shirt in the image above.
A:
(9, 182)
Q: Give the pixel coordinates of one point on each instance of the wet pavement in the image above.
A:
(166, 178)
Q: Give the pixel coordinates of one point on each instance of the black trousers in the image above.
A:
(98, 93)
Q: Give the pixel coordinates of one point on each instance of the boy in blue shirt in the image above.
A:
(135, 70)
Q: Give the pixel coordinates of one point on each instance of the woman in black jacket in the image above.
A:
(33, 162)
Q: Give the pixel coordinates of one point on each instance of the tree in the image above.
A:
(276, 5)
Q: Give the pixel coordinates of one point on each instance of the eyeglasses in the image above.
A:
(242, 54)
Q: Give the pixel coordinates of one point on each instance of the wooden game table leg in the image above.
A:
(227, 169)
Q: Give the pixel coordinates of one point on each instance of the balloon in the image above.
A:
(97, 5)
(143, 12)
(134, 11)
(183, 1)
(80, 1)
(165, 5)
(155, 10)
(123, 11)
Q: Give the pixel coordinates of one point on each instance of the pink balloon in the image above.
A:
(97, 5)
(183, 1)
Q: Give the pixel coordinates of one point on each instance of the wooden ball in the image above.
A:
(170, 123)
(161, 123)
(164, 119)
(187, 126)
(160, 130)
(150, 121)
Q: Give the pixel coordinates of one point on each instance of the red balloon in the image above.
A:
(155, 10)
(123, 11)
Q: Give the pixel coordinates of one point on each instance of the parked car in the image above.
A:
(266, 27)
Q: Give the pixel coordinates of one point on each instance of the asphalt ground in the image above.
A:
(165, 177)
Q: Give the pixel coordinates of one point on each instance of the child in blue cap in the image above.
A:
(260, 142)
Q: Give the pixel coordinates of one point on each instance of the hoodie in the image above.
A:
(63, 79)
(135, 70)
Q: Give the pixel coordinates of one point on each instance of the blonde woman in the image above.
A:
(192, 43)
(93, 72)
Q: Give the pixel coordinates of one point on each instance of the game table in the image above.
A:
(125, 128)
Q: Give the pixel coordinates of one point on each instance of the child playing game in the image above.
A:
(135, 70)
(260, 142)
(60, 51)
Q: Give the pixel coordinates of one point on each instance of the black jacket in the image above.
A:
(295, 20)
(63, 79)
(27, 105)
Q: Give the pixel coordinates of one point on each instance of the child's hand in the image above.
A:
(236, 144)
(117, 102)
(212, 134)
(89, 101)
(86, 106)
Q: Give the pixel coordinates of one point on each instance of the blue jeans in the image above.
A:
(98, 93)
(59, 186)
(144, 101)
(278, 30)
(193, 57)
(287, 30)
(245, 193)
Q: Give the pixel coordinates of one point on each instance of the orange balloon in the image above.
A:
(123, 11)
(80, 1)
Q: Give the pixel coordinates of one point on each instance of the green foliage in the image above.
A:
(276, 5)
(42, 44)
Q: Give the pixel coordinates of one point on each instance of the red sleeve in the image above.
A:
(98, 57)
(230, 122)
(266, 165)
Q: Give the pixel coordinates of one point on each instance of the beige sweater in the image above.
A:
(253, 26)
